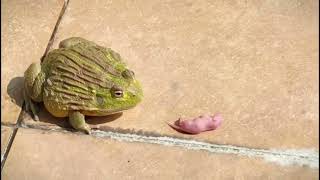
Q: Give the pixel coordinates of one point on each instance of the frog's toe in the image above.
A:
(87, 130)
(27, 107)
(36, 117)
(32, 108)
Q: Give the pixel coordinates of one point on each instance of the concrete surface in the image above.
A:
(255, 62)
(83, 157)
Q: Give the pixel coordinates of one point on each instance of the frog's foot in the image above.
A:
(77, 121)
(31, 107)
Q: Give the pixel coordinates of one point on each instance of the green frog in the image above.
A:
(81, 78)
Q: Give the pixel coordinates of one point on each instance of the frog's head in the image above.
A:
(125, 93)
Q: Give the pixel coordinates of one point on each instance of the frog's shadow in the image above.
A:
(93, 121)
(15, 91)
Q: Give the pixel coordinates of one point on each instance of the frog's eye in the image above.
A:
(117, 92)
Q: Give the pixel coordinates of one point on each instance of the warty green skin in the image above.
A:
(81, 78)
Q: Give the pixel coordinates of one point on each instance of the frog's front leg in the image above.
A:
(77, 121)
(33, 87)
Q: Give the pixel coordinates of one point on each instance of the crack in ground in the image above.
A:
(306, 157)
(11, 139)
(54, 32)
(283, 157)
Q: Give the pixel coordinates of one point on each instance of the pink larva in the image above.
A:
(198, 125)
